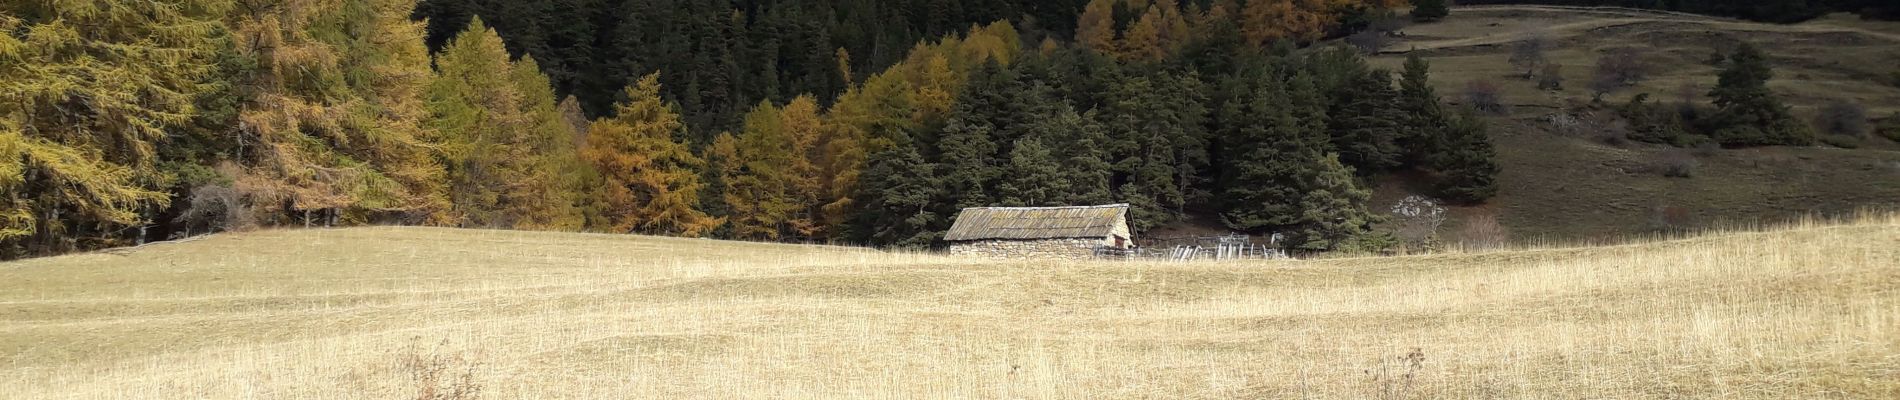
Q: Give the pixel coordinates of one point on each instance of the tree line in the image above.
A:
(127, 121)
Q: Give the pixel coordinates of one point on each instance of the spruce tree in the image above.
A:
(1033, 177)
(1425, 122)
(1366, 123)
(1467, 168)
(1265, 156)
(900, 189)
(1333, 211)
(1747, 112)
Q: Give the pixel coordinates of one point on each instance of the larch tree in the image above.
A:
(1143, 41)
(652, 179)
(88, 92)
(395, 74)
(1264, 21)
(552, 197)
(1095, 30)
(758, 190)
(487, 143)
(803, 175)
(296, 114)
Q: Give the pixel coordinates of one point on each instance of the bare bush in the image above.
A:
(215, 208)
(1552, 78)
(1484, 95)
(1417, 219)
(1483, 232)
(441, 375)
(1618, 69)
(1528, 54)
(1843, 117)
(1369, 41)
(1665, 218)
(1676, 163)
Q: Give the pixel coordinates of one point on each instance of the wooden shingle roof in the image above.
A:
(1035, 222)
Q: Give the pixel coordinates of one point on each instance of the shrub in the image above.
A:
(1369, 41)
(1430, 10)
(1484, 95)
(1890, 128)
(1841, 141)
(1842, 117)
(1676, 163)
(1652, 123)
(1669, 219)
(1483, 232)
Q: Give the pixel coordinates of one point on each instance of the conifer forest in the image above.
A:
(867, 122)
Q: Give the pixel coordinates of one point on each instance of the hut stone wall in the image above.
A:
(1061, 248)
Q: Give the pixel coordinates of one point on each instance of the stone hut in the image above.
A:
(1039, 232)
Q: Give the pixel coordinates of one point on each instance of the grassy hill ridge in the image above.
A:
(1801, 311)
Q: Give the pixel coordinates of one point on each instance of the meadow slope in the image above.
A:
(1809, 311)
(1564, 183)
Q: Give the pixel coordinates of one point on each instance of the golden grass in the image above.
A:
(1806, 311)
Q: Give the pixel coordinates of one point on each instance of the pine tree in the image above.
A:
(1467, 167)
(967, 152)
(652, 180)
(1747, 112)
(1156, 143)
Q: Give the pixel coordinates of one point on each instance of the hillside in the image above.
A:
(1801, 312)
(1565, 184)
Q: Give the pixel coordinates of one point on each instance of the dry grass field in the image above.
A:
(1804, 311)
